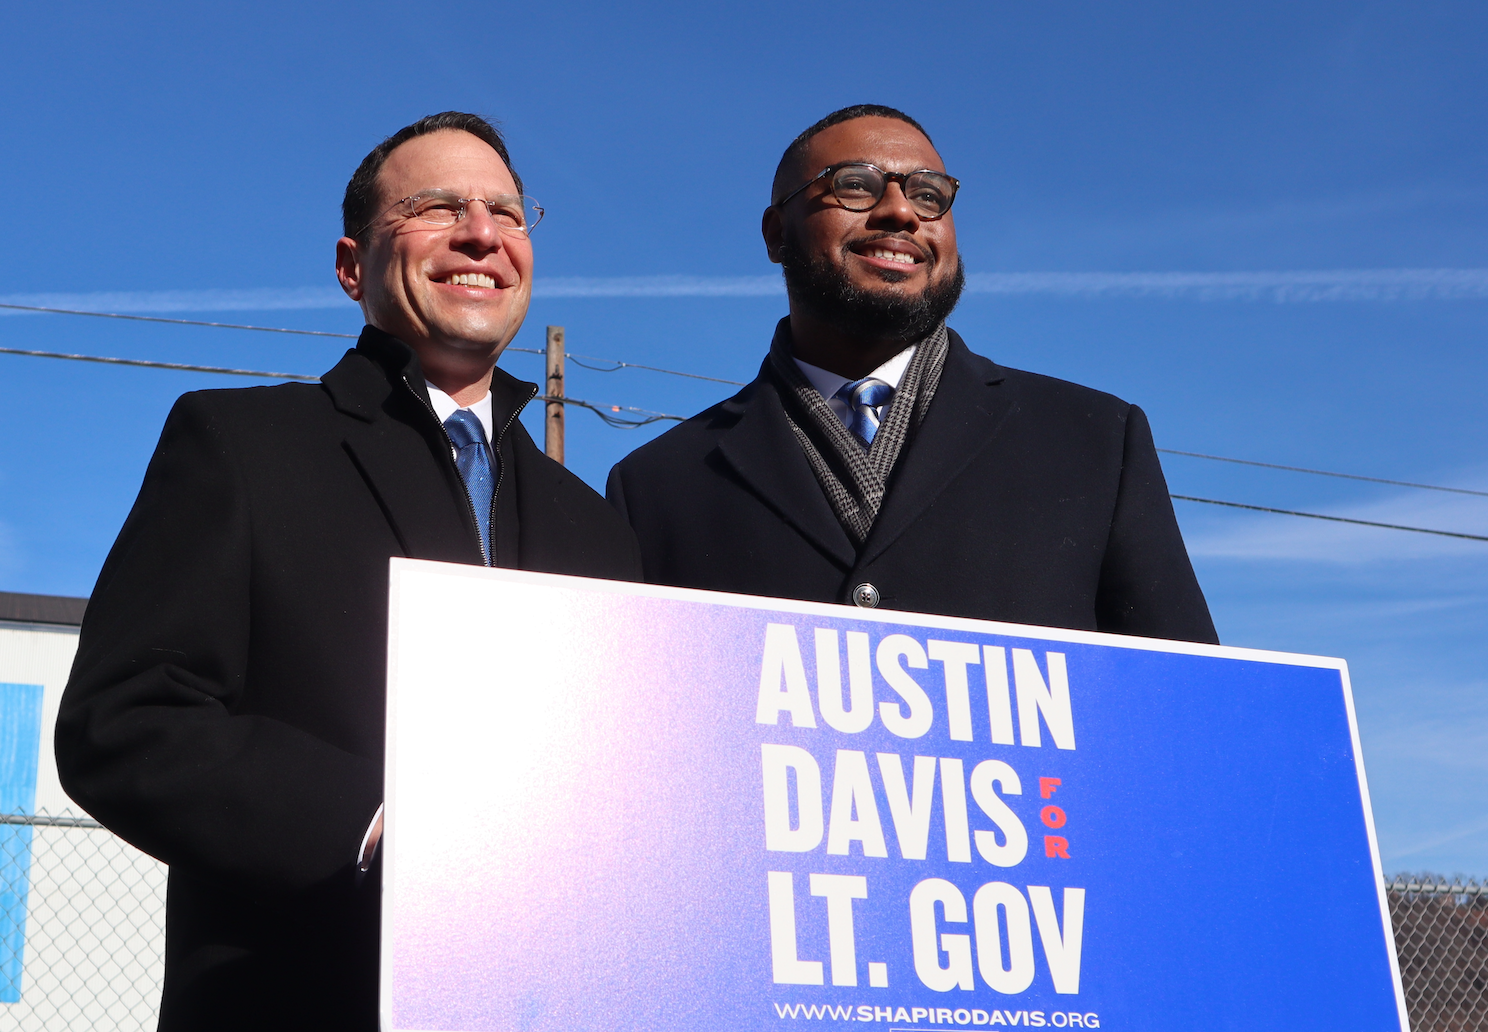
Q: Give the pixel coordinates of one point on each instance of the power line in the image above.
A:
(1334, 519)
(158, 365)
(618, 365)
(614, 415)
(1325, 473)
(614, 366)
(629, 417)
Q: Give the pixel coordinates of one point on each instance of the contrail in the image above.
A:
(1277, 286)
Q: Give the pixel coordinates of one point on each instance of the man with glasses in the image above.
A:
(877, 461)
(226, 708)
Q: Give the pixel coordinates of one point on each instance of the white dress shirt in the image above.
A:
(828, 383)
(444, 407)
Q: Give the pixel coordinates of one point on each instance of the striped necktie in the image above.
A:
(865, 400)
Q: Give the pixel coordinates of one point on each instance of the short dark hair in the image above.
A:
(357, 207)
(793, 153)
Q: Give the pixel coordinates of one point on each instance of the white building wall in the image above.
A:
(95, 909)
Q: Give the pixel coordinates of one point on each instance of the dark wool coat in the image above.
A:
(226, 708)
(1020, 498)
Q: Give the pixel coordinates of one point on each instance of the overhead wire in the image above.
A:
(1324, 472)
(628, 417)
(1334, 519)
(148, 364)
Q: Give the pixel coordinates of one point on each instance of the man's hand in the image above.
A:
(369, 842)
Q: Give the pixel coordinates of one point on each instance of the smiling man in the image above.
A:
(877, 461)
(225, 712)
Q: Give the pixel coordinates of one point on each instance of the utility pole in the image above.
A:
(553, 428)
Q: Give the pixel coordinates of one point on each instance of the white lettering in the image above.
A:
(1051, 699)
(927, 945)
(779, 835)
(956, 655)
(999, 701)
(911, 818)
(840, 890)
(1062, 951)
(782, 684)
(953, 806)
(854, 809)
(859, 714)
(1013, 973)
(788, 968)
(985, 776)
(890, 651)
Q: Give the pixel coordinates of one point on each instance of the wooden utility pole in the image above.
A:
(553, 429)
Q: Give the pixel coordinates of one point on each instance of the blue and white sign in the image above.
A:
(634, 808)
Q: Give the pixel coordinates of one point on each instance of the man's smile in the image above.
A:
(889, 252)
(470, 279)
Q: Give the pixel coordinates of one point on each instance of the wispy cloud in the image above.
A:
(1275, 286)
(262, 299)
(659, 286)
(1268, 536)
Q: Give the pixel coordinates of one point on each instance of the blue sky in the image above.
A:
(1271, 163)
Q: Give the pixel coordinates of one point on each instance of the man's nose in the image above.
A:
(894, 210)
(478, 228)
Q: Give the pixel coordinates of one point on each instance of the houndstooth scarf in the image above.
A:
(855, 479)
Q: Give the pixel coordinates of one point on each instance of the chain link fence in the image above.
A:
(82, 927)
(1441, 937)
(82, 934)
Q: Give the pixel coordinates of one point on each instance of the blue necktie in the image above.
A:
(864, 399)
(473, 458)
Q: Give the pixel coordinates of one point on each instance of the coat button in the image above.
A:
(865, 595)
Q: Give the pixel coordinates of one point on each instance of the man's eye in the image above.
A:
(855, 184)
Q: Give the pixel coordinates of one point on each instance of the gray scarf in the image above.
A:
(854, 479)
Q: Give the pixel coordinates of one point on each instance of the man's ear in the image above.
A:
(349, 267)
(773, 232)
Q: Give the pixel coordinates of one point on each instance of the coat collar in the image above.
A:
(764, 451)
(398, 446)
(362, 382)
(964, 418)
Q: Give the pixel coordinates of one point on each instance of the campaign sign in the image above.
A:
(616, 808)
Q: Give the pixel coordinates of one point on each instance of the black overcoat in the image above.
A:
(1020, 498)
(226, 708)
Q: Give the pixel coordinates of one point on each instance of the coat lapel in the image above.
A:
(418, 493)
(764, 452)
(968, 410)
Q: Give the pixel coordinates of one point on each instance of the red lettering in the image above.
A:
(1056, 845)
(1047, 786)
(1052, 816)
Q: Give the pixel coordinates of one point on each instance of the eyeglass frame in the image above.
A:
(525, 231)
(902, 178)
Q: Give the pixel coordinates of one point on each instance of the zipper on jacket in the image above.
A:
(488, 548)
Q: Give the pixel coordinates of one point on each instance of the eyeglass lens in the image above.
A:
(860, 187)
(512, 213)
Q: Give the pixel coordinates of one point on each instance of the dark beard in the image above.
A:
(826, 293)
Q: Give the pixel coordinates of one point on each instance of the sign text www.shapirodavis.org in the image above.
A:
(938, 1016)
(804, 810)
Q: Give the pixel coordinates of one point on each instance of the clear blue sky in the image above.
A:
(159, 157)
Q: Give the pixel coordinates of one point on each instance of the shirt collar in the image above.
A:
(444, 406)
(829, 383)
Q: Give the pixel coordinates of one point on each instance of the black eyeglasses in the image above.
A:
(859, 186)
